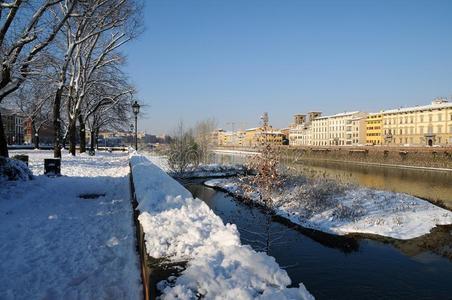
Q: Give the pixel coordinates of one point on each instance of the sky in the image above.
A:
(232, 60)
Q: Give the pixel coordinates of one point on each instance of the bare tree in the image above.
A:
(203, 137)
(91, 40)
(23, 38)
(266, 183)
(33, 100)
(114, 115)
(183, 150)
(107, 101)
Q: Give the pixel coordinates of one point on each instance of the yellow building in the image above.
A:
(254, 137)
(419, 125)
(374, 129)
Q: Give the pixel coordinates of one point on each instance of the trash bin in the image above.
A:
(52, 166)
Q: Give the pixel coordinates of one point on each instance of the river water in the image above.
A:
(334, 267)
(352, 267)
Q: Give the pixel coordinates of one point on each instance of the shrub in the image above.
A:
(12, 169)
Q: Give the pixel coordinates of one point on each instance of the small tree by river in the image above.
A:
(183, 151)
(266, 182)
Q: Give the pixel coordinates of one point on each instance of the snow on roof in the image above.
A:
(344, 114)
(435, 105)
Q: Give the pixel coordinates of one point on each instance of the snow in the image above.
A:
(179, 227)
(13, 169)
(360, 210)
(55, 245)
(200, 171)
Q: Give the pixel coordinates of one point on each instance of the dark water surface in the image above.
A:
(333, 267)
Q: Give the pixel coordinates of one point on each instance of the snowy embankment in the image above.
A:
(58, 241)
(200, 171)
(178, 227)
(352, 210)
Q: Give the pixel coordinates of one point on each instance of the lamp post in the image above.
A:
(131, 137)
(136, 110)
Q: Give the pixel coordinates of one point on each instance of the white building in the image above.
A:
(343, 129)
(300, 135)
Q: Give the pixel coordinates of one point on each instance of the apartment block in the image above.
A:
(419, 125)
(343, 129)
(374, 129)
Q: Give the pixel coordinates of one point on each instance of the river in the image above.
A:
(334, 267)
(352, 267)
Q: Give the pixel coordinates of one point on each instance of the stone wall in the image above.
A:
(440, 157)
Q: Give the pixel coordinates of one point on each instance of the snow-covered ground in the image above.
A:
(56, 245)
(200, 171)
(180, 228)
(352, 210)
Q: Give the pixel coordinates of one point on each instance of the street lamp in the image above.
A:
(136, 110)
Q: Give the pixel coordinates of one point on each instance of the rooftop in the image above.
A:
(436, 104)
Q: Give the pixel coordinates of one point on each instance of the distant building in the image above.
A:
(374, 129)
(46, 133)
(300, 130)
(419, 125)
(13, 125)
(343, 129)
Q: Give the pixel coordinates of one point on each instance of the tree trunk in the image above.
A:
(57, 124)
(3, 142)
(93, 139)
(72, 136)
(82, 134)
(97, 139)
(35, 134)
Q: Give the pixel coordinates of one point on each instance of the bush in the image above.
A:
(12, 169)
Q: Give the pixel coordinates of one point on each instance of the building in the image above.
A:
(13, 126)
(217, 137)
(343, 129)
(419, 125)
(374, 129)
(355, 131)
(300, 135)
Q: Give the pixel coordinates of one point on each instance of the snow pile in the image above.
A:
(13, 169)
(179, 227)
(57, 245)
(338, 210)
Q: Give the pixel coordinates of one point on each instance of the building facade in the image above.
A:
(374, 129)
(427, 125)
(13, 125)
(343, 129)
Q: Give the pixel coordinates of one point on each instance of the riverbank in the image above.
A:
(178, 227)
(437, 159)
(332, 208)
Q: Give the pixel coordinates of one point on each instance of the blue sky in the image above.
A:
(234, 59)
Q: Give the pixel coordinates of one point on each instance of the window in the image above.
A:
(439, 117)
